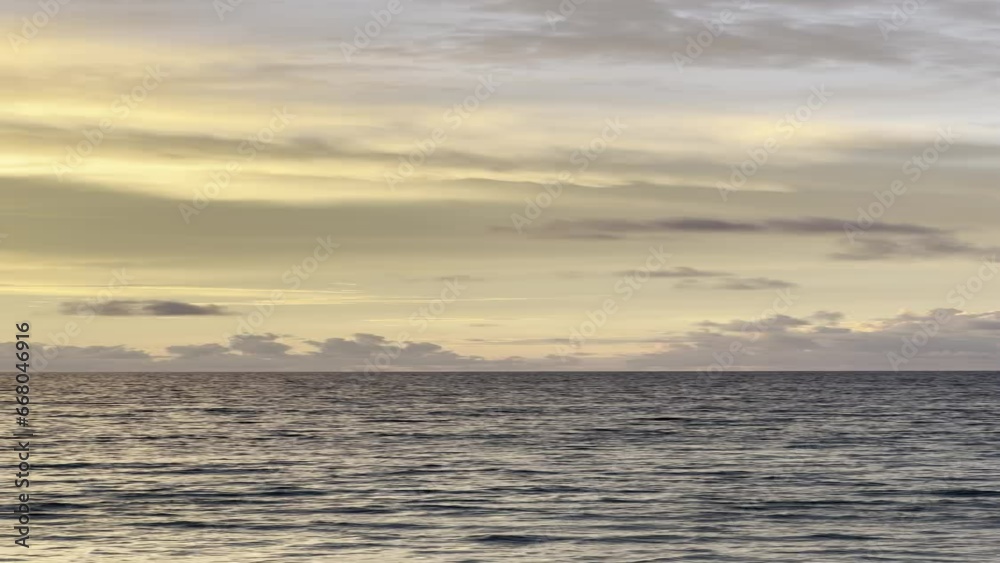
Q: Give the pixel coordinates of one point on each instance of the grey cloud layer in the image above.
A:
(804, 226)
(963, 341)
(819, 342)
(739, 284)
(693, 278)
(264, 352)
(879, 241)
(760, 33)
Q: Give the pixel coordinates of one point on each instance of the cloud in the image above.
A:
(821, 341)
(259, 345)
(92, 358)
(880, 248)
(693, 278)
(777, 323)
(758, 34)
(615, 228)
(963, 341)
(831, 317)
(197, 351)
(444, 279)
(824, 225)
(880, 241)
(266, 352)
(678, 272)
(363, 350)
(151, 308)
(752, 284)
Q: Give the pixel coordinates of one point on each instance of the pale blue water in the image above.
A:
(516, 467)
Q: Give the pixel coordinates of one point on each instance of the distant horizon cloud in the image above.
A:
(943, 339)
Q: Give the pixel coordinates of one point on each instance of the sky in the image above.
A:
(501, 184)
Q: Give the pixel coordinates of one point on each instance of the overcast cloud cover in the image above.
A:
(503, 184)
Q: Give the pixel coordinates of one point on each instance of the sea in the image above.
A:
(511, 467)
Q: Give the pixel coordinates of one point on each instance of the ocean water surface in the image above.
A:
(618, 467)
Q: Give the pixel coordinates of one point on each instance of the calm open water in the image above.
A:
(514, 467)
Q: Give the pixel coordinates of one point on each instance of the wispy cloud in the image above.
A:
(616, 228)
(153, 308)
